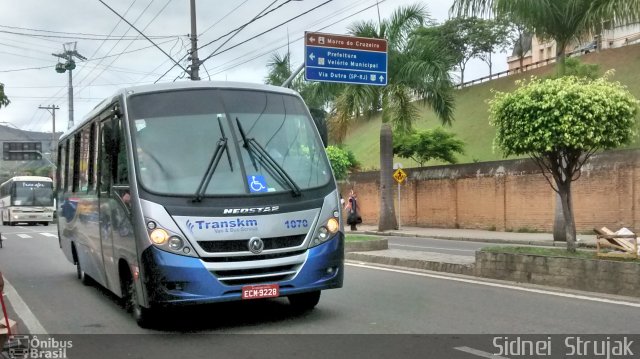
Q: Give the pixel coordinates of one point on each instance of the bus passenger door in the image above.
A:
(115, 210)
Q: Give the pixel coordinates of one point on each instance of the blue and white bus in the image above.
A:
(27, 199)
(200, 192)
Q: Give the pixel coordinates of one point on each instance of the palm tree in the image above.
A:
(559, 20)
(414, 71)
(4, 101)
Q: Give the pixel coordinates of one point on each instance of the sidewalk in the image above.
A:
(476, 235)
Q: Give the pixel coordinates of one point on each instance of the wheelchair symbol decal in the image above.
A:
(257, 184)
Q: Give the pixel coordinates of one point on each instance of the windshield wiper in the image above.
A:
(221, 146)
(254, 147)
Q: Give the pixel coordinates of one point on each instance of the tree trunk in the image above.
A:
(567, 210)
(387, 212)
(490, 68)
(521, 63)
(559, 224)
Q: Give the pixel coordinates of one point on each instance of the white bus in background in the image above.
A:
(27, 199)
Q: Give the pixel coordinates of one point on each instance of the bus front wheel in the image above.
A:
(304, 301)
(143, 316)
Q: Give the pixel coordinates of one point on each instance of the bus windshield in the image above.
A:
(33, 194)
(176, 134)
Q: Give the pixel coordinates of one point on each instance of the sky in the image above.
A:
(27, 66)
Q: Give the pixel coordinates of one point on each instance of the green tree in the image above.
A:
(4, 100)
(340, 161)
(432, 144)
(415, 70)
(560, 123)
(559, 20)
(471, 37)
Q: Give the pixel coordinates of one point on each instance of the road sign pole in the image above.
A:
(399, 206)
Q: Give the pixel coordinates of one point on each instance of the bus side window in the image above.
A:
(62, 169)
(104, 169)
(84, 155)
(93, 157)
(121, 170)
(70, 146)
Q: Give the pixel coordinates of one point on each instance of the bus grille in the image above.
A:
(269, 268)
(256, 275)
(242, 245)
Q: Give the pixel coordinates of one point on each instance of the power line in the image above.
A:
(266, 31)
(76, 37)
(277, 48)
(319, 21)
(227, 34)
(247, 24)
(27, 68)
(145, 36)
(222, 18)
(104, 42)
(130, 43)
(74, 33)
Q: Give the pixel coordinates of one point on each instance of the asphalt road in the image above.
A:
(373, 301)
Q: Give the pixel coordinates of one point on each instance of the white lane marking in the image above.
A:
(446, 249)
(504, 286)
(46, 234)
(479, 353)
(21, 235)
(22, 310)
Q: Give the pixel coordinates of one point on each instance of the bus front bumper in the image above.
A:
(172, 279)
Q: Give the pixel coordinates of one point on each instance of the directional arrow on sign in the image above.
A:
(312, 56)
(312, 39)
(381, 78)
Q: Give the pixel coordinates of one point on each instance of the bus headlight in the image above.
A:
(333, 225)
(159, 236)
(167, 239)
(175, 243)
(326, 231)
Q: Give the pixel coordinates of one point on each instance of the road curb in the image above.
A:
(456, 268)
(367, 245)
(481, 240)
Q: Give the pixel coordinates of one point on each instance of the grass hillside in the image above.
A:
(471, 122)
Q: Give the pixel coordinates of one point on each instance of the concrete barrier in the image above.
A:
(367, 245)
(594, 275)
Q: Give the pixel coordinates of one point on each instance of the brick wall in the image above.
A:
(509, 195)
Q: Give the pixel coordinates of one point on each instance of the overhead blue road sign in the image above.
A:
(345, 59)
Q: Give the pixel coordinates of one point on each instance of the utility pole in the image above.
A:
(68, 55)
(195, 61)
(52, 109)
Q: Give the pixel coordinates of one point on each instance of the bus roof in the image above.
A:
(126, 91)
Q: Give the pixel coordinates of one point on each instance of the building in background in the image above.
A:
(26, 152)
(537, 51)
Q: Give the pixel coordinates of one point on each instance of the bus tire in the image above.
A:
(144, 317)
(45, 223)
(84, 278)
(304, 301)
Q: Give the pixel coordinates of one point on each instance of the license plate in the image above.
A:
(33, 216)
(260, 291)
